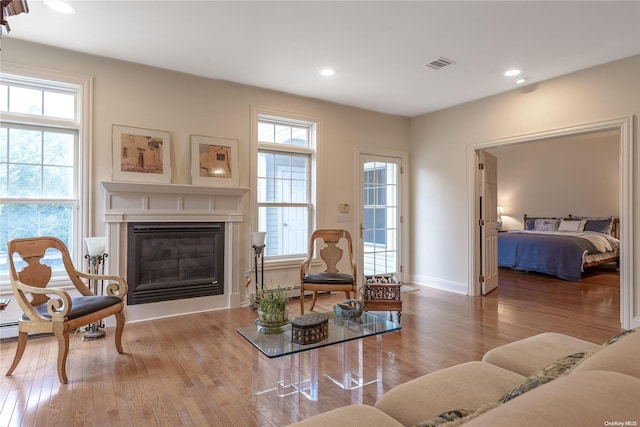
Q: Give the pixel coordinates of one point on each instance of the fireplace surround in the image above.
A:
(128, 202)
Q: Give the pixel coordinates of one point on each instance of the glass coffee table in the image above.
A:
(348, 333)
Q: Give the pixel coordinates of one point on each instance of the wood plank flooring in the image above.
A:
(197, 370)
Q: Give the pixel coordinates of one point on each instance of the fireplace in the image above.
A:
(144, 203)
(169, 261)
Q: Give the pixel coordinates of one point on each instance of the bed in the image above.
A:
(561, 247)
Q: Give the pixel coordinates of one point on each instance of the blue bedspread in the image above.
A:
(560, 256)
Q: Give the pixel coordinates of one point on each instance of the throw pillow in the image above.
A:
(599, 225)
(530, 224)
(618, 336)
(445, 417)
(456, 417)
(547, 224)
(544, 375)
(568, 225)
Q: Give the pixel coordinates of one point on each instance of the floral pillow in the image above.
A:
(547, 224)
(543, 375)
(446, 417)
(616, 337)
(456, 417)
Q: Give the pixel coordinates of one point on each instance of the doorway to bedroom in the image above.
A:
(574, 175)
(581, 171)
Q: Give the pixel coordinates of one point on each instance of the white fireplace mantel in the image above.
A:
(135, 201)
(144, 187)
(126, 202)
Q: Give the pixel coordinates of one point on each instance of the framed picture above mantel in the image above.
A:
(141, 155)
(214, 161)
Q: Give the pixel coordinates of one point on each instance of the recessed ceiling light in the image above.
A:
(512, 72)
(521, 80)
(60, 6)
(327, 72)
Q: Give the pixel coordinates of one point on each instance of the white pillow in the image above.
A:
(568, 225)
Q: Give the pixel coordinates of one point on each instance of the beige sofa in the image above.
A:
(545, 380)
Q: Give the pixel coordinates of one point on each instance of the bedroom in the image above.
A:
(579, 176)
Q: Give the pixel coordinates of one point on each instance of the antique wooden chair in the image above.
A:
(48, 309)
(330, 279)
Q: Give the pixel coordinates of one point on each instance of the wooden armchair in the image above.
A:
(54, 310)
(330, 279)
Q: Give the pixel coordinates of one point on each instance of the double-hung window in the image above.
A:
(285, 184)
(40, 164)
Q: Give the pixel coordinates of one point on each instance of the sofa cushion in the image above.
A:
(588, 399)
(352, 415)
(620, 355)
(468, 385)
(530, 354)
(542, 376)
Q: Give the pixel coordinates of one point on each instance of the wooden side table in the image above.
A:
(381, 292)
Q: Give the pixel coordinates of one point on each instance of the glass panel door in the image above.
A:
(380, 217)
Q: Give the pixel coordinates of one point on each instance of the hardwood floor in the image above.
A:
(197, 371)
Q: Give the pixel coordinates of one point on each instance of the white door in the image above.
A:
(380, 216)
(488, 170)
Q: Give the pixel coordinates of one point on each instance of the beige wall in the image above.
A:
(577, 175)
(439, 141)
(140, 96)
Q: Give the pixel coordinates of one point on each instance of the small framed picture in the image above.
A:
(141, 155)
(214, 161)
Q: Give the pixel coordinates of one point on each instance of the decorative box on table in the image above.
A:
(382, 292)
(309, 328)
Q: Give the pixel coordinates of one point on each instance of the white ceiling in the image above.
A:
(378, 48)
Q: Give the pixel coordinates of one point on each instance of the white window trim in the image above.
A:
(84, 125)
(259, 112)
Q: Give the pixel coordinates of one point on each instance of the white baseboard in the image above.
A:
(445, 285)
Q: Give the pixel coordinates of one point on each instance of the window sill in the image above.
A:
(283, 264)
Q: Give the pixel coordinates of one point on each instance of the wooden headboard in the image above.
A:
(615, 226)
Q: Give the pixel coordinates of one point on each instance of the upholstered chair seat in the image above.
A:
(81, 306)
(328, 278)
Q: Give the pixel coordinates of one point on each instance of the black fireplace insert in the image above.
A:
(169, 261)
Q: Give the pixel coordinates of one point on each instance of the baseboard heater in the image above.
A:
(294, 292)
(8, 331)
(297, 296)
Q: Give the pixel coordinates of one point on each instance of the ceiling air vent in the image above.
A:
(438, 63)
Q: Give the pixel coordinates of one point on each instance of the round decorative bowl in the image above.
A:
(348, 309)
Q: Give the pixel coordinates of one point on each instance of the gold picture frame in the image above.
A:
(214, 161)
(141, 155)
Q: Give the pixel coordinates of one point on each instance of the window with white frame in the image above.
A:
(40, 164)
(285, 184)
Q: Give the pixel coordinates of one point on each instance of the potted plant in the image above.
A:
(273, 308)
